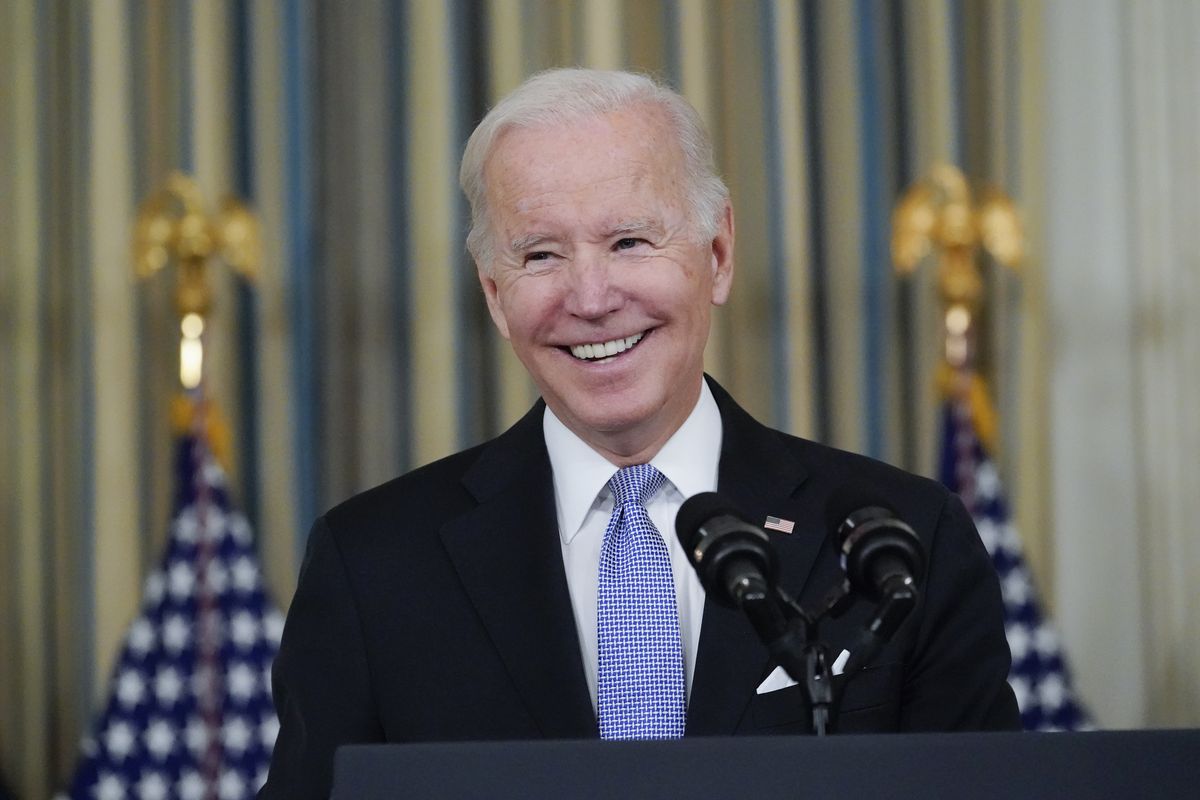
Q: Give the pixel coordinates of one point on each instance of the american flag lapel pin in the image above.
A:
(781, 525)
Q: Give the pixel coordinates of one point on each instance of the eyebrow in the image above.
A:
(634, 226)
(532, 240)
(529, 240)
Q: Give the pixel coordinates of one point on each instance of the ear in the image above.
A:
(493, 301)
(722, 257)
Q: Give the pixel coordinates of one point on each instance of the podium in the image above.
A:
(1116, 764)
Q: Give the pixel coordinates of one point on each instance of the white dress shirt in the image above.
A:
(688, 461)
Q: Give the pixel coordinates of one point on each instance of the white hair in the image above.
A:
(560, 96)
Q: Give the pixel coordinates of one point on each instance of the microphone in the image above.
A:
(738, 568)
(883, 560)
(733, 557)
(880, 552)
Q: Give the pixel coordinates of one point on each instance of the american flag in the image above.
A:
(189, 715)
(1039, 675)
(777, 524)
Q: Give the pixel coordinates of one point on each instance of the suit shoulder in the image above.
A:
(426, 497)
(912, 496)
(419, 494)
(825, 468)
(860, 466)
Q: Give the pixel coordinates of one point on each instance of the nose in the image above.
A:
(591, 290)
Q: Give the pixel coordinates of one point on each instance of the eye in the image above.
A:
(539, 260)
(627, 243)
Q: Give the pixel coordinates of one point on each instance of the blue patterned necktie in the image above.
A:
(640, 683)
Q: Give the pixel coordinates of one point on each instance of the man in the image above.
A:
(533, 587)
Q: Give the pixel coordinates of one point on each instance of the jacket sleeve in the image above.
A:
(956, 677)
(322, 648)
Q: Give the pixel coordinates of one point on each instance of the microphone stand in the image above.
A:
(735, 561)
(792, 637)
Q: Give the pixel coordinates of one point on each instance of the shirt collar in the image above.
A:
(689, 460)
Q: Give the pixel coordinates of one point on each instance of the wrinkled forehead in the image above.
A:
(652, 118)
(630, 146)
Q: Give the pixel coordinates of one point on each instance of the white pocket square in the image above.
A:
(779, 679)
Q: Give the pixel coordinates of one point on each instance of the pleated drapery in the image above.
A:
(365, 349)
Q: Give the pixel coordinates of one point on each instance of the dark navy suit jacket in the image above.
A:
(435, 608)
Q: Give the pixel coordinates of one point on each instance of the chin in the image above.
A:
(616, 415)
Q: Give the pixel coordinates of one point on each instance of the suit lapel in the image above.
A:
(762, 477)
(507, 553)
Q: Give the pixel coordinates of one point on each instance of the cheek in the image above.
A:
(529, 307)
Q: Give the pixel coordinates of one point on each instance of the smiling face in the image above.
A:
(599, 280)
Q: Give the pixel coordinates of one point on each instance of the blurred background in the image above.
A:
(363, 347)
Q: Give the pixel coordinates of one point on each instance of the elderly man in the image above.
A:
(532, 587)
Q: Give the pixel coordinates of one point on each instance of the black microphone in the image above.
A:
(880, 552)
(883, 560)
(738, 568)
(733, 557)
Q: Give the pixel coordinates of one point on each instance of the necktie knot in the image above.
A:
(635, 485)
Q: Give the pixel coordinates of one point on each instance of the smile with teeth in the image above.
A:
(604, 350)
